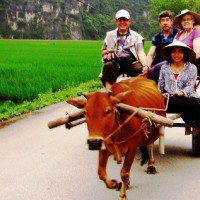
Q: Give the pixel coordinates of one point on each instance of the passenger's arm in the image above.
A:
(150, 55)
(107, 53)
(196, 47)
(143, 60)
(161, 80)
(192, 77)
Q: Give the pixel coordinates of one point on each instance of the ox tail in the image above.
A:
(145, 155)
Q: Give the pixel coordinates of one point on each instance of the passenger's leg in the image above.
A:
(154, 71)
(133, 69)
(176, 105)
(197, 63)
(179, 105)
(193, 110)
(110, 73)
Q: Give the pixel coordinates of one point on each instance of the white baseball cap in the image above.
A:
(122, 13)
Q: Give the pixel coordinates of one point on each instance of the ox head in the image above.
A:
(100, 113)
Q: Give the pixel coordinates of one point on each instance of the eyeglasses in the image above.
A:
(186, 19)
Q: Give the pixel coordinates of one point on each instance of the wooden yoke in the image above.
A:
(69, 118)
(142, 113)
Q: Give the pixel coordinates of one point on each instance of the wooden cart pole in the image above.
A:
(66, 119)
(162, 140)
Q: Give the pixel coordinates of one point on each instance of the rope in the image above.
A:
(121, 125)
(145, 126)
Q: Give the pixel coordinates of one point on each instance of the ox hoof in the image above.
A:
(120, 185)
(122, 198)
(112, 184)
(151, 170)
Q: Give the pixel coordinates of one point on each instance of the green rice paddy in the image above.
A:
(28, 68)
(37, 73)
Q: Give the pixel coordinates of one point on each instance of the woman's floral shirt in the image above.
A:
(185, 81)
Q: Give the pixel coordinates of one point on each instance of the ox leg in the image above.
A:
(122, 195)
(103, 159)
(151, 163)
(125, 174)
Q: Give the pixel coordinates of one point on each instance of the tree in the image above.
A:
(175, 6)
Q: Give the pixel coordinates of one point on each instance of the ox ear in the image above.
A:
(79, 103)
(86, 95)
(122, 96)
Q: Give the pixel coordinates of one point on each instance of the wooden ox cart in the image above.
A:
(132, 115)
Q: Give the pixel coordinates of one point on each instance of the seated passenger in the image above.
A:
(177, 78)
(189, 24)
(160, 40)
(122, 51)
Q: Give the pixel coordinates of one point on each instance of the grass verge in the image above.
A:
(10, 110)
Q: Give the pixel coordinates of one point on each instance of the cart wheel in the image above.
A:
(196, 144)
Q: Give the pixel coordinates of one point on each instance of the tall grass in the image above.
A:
(28, 68)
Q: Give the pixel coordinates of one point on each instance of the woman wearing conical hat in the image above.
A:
(177, 78)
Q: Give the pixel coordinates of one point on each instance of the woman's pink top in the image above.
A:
(189, 39)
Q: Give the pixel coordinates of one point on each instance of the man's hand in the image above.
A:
(180, 94)
(109, 54)
(145, 71)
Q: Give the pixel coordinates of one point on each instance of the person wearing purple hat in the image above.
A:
(177, 78)
(122, 51)
(189, 22)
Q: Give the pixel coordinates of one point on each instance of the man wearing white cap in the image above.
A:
(122, 51)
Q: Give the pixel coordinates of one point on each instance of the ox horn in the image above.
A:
(77, 102)
(122, 96)
(86, 95)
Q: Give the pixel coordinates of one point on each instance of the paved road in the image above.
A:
(42, 164)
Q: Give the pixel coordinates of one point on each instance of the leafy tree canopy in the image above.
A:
(175, 6)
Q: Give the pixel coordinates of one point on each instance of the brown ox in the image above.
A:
(109, 135)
